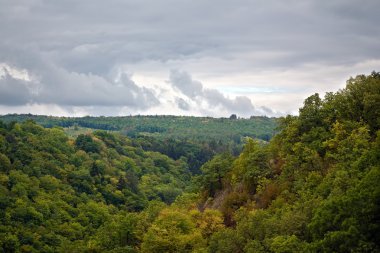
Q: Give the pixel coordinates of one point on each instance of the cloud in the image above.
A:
(184, 82)
(194, 90)
(93, 36)
(75, 52)
(182, 104)
(13, 91)
(55, 85)
(239, 103)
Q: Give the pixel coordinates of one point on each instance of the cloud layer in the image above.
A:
(117, 57)
(58, 86)
(214, 99)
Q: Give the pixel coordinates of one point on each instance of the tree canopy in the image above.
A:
(312, 188)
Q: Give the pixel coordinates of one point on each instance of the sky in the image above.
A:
(181, 57)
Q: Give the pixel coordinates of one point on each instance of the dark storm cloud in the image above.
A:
(13, 91)
(73, 47)
(214, 98)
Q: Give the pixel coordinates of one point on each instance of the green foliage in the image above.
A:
(118, 235)
(213, 173)
(251, 166)
(172, 231)
(165, 127)
(225, 241)
(86, 143)
(349, 221)
(194, 139)
(62, 195)
(312, 188)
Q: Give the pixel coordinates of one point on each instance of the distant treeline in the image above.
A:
(259, 127)
(197, 139)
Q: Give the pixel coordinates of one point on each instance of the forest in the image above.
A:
(197, 139)
(306, 183)
(164, 126)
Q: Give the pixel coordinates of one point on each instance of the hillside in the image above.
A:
(57, 193)
(312, 188)
(164, 127)
(197, 139)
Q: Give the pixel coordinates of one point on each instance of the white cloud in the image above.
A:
(208, 99)
(55, 85)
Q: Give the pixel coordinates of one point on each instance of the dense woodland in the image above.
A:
(314, 187)
(197, 139)
(165, 127)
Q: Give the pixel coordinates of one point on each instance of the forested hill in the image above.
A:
(314, 187)
(197, 139)
(175, 127)
(64, 195)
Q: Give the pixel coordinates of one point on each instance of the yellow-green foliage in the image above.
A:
(313, 188)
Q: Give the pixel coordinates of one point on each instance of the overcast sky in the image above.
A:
(182, 57)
